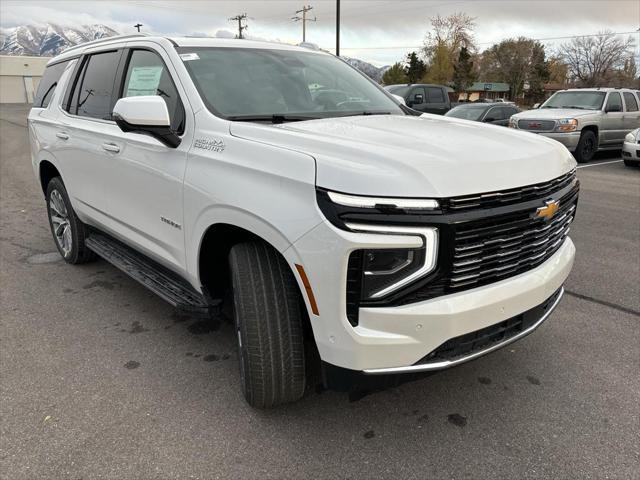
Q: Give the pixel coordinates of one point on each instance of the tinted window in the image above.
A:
(435, 95)
(467, 112)
(418, 91)
(496, 113)
(48, 84)
(630, 100)
(508, 111)
(614, 100)
(93, 94)
(147, 75)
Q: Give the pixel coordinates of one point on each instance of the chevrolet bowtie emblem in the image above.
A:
(549, 210)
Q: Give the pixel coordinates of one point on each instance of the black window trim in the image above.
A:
(121, 76)
(79, 71)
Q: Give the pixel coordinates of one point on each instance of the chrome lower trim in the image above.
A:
(427, 367)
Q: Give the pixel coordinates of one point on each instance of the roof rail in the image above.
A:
(103, 40)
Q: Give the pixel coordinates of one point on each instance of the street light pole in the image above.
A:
(337, 28)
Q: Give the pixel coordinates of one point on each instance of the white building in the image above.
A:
(19, 77)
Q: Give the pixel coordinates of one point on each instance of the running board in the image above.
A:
(161, 281)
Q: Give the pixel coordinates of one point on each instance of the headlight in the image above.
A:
(383, 271)
(513, 123)
(382, 202)
(630, 138)
(567, 125)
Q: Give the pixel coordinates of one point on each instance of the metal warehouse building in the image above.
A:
(19, 77)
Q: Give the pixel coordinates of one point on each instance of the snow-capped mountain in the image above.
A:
(48, 40)
(371, 71)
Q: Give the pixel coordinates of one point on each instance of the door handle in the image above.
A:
(111, 147)
(62, 135)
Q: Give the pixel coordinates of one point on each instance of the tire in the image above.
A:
(268, 319)
(587, 147)
(69, 233)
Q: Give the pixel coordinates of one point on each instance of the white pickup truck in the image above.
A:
(332, 217)
(584, 120)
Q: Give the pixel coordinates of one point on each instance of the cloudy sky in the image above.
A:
(377, 31)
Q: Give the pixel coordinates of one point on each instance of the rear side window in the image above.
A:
(497, 113)
(48, 84)
(630, 100)
(435, 95)
(148, 75)
(93, 94)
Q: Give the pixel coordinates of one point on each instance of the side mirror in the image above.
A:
(148, 115)
(614, 108)
(536, 106)
(418, 98)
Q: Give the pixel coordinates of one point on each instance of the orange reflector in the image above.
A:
(307, 287)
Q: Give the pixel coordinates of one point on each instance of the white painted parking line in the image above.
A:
(600, 163)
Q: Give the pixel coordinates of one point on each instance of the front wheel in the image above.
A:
(68, 231)
(587, 147)
(268, 320)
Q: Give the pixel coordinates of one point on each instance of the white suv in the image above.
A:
(333, 217)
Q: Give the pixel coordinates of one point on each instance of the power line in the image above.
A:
(304, 20)
(400, 47)
(241, 27)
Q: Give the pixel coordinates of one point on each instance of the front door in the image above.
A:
(613, 130)
(145, 178)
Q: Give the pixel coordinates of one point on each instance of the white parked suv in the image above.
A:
(331, 216)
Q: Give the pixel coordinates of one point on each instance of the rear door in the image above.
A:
(632, 111)
(437, 100)
(84, 124)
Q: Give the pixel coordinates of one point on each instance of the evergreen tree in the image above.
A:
(415, 68)
(463, 72)
(394, 75)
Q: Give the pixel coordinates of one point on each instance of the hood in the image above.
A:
(554, 113)
(407, 156)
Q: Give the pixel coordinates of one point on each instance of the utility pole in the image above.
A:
(138, 25)
(241, 27)
(337, 28)
(304, 20)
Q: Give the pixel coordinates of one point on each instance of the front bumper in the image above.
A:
(631, 151)
(396, 338)
(569, 140)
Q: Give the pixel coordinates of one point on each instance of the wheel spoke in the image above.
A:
(66, 238)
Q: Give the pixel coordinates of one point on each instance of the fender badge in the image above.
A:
(212, 145)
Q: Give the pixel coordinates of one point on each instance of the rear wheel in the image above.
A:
(587, 147)
(268, 321)
(68, 231)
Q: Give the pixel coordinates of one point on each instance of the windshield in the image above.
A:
(467, 112)
(582, 100)
(262, 84)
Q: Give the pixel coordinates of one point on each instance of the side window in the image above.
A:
(631, 102)
(419, 91)
(148, 75)
(507, 112)
(495, 113)
(48, 84)
(614, 100)
(93, 92)
(435, 95)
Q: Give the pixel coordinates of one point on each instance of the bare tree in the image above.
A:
(594, 61)
(455, 31)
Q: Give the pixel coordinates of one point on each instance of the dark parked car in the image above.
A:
(495, 113)
(425, 98)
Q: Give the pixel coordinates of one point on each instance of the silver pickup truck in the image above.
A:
(584, 120)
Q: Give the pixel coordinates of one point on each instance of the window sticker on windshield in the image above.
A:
(144, 81)
(189, 56)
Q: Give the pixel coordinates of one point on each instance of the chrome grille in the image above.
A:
(511, 196)
(537, 125)
(489, 253)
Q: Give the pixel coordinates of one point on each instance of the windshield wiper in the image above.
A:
(273, 118)
(575, 106)
(365, 113)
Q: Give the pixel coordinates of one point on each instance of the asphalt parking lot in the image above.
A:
(101, 379)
